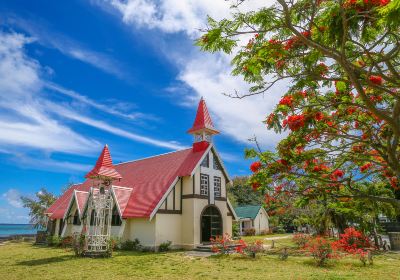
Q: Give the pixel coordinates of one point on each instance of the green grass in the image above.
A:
(24, 261)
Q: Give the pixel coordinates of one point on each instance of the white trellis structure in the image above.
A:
(98, 221)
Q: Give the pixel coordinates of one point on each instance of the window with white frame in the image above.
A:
(204, 184)
(217, 186)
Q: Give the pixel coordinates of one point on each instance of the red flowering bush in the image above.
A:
(321, 249)
(249, 249)
(221, 244)
(286, 100)
(301, 239)
(354, 242)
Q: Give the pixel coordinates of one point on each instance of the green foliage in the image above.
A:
(131, 245)
(53, 240)
(37, 206)
(240, 193)
(165, 246)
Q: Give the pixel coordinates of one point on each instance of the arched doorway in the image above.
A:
(211, 223)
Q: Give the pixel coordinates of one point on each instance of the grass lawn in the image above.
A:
(25, 261)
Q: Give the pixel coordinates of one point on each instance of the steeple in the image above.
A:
(203, 128)
(104, 167)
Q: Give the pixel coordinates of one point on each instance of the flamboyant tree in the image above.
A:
(342, 108)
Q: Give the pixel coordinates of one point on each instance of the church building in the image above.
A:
(178, 196)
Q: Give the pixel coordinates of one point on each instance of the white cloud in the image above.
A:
(116, 108)
(203, 74)
(44, 35)
(176, 15)
(13, 198)
(69, 114)
(20, 86)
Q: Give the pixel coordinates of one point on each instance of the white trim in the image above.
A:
(116, 202)
(160, 202)
(69, 205)
(222, 165)
(120, 187)
(232, 209)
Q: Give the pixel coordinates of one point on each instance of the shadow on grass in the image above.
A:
(46, 261)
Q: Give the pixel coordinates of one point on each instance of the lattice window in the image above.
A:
(204, 184)
(205, 162)
(115, 218)
(76, 220)
(216, 164)
(217, 186)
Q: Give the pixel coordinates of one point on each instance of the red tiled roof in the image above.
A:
(203, 119)
(104, 166)
(148, 179)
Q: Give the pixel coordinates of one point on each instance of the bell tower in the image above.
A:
(203, 128)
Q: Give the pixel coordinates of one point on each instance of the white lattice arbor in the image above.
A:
(97, 228)
(98, 222)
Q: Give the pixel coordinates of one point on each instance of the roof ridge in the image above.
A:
(129, 161)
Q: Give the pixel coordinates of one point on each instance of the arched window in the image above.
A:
(115, 218)
(76, 220)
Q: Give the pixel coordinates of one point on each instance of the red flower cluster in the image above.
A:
(286, 100)
(377, 2)
(351, 241)
(320, 167)
(321, 249)
(255, 186)
(255, 166)
(319, 116)
(337, 174)
(295, 122)
(365, 167)
(377, 80)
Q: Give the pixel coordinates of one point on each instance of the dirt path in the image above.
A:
(278, 237)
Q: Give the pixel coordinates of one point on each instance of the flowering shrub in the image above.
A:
(300, 239)
(355, 243)
(221, 244)
(321, 249)
(249, 249)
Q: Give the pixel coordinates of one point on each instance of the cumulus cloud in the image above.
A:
(203, 74)
(12, 196)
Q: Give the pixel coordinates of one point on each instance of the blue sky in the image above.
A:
(79, 74)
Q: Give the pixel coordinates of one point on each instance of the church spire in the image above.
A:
(203, 128)
(104, 167)
(203, 120)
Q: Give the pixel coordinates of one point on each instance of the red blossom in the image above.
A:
(295, 122)
(319, 116)
(377, 80)
(255, 166)
(286, 100)
(365, 167)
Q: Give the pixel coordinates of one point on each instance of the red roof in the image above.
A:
(104, 166)
(203, 119)
(148, 180)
